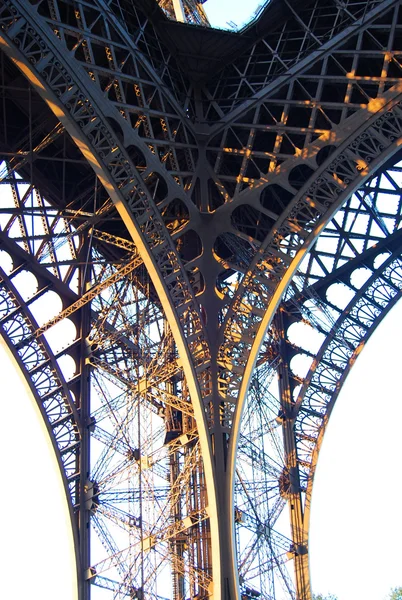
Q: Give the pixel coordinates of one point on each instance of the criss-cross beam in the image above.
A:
(99, 129)
(221, 214)
(114, 347)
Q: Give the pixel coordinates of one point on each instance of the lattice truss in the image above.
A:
(144, 488)
(146, 519)
(159, 273)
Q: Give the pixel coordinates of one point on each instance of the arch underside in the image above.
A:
(261, 463)
(159, 386)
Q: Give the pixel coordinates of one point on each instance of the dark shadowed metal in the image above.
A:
(177, 201)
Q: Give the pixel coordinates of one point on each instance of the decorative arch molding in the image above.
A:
(39, 366)
(107, 346)
(362, 300)
(277, 260)
(35, 52)
(295, 232)
(51, 392)
(343, 344)
(304, 420)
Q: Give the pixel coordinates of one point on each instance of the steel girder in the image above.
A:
(223, 193)
(189, 11)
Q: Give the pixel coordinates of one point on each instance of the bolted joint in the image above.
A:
(297, 550)
(91, 495)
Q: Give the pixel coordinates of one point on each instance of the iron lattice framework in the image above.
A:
(188, 217)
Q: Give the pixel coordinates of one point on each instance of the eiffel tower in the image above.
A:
(200, 229)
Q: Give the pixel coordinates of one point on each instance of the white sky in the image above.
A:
(233, 14)
(356, 524)
(37, 548)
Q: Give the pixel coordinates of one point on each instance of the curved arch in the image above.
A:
(41, 61)
(364, 324)
(276, 294)
(29, 466)
(48, 387)
(295, 231)
(130, 353)
(355, 140)
(98, 131)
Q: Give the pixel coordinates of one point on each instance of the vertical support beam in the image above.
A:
(179, 11)
(85, 489)
(290, 480)
(177, 544)
(220, 438)
(174, 428)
